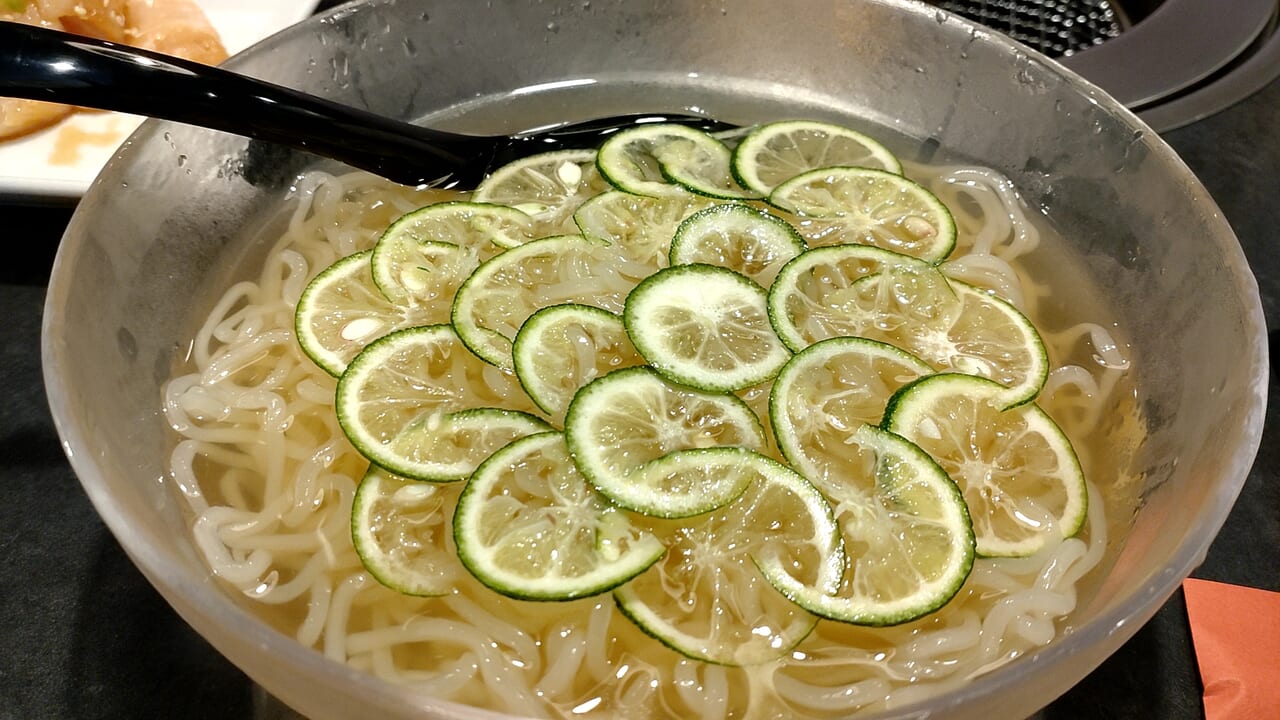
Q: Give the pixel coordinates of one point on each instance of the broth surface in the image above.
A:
(276, 477)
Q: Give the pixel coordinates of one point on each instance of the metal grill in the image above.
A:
(1054, 27)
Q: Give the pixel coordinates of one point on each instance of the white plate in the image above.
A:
(61, 161)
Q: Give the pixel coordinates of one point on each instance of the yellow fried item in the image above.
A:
(173, 27)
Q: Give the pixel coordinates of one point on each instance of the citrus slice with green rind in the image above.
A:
(446, 447)
(704, 326)
(829, 390)
(408, 402)
(966, 329)
(563, 347)
(619, 423)
(341, 311)
(491, 305)
(738, 237)
(424, 255)
(810, 299)
(665, 160)
(547, 187)
(773, 153)
(640, 227)
(849, 205)
(400, 529)
(529, 526)
(908, 303)
(707, 599)
(906, 532)
(1020, 476)
(705, 170)
(422, 273)
(630, 159)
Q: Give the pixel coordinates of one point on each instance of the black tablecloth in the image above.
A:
(82, 634)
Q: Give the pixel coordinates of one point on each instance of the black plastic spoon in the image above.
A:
(41, 64)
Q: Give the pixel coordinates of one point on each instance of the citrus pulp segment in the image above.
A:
(704, 326)
(1018, 472)
(563, 347)
(400, 529)
(506, 289)
(906, 532)
(738, 237)
(415, 381)
(839, 205)
(412, 261)
(737, 619)
(341, 310)
(640, 227)
(618, 423)
(776, 152)
(829, 390)
(529, 526)
(547, 187)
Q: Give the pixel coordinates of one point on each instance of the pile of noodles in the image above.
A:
(269, 478)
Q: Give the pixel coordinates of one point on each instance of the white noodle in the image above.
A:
(335, 632)
(525, 647)
(269, 479)
(312, 625)
(991, 272)
(564, 653)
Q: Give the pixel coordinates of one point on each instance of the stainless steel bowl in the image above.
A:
(174, 213)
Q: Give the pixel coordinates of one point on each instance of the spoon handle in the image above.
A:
(41, 64)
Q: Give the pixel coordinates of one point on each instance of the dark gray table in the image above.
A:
(82, 634)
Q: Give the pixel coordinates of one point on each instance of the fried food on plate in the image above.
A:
(173, 27)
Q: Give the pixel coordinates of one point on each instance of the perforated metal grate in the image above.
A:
(1054, 27)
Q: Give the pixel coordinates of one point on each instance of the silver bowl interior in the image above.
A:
(174, 215)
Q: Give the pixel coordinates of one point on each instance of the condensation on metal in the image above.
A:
(1057, 28)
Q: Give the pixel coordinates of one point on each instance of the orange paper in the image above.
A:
(1236, 632)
